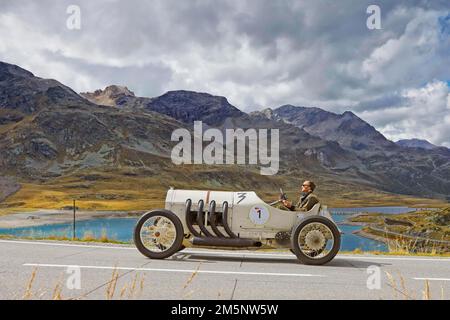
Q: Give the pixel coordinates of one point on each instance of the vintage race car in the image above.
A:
(230, 220)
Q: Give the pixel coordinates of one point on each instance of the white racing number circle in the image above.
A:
(259, 215)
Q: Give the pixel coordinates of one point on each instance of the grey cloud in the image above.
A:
(385, 102)
(255, 52)
(147, 81)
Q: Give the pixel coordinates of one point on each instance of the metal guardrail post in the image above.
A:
(74, 220)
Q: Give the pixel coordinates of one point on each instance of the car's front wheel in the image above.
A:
(158, 234)
(315, 240)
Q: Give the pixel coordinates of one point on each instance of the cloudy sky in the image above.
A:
(258, 53)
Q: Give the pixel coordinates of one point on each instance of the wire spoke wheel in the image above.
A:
(158, 234)
(315, 240)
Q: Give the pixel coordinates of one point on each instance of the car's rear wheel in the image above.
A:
(315, 240)
(158, 234)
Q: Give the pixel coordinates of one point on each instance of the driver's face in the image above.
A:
(306, 187)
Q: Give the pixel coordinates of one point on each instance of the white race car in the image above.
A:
(230, 220)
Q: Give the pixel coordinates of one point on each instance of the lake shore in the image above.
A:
(361, 232)
(371, 236)
(48, 217)
(32, 218)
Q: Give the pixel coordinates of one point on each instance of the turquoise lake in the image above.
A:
(121, 229)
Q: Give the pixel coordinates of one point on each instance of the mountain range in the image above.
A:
(47, 130)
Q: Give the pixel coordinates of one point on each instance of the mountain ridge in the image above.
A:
(417, 143)
(48, 130)
(347, 129)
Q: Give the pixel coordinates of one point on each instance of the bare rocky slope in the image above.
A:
(47, 130)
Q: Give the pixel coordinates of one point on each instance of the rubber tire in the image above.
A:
(296, 248)
(293, 252)
(177, 245)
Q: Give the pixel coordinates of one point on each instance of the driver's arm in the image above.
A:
(289, 205)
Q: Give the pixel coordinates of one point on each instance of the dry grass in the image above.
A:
(122, 190)
(400, 290)
(426, 291)
(87, 237)
(192, 276)
(111, 287)
(135, 289)
(402, 246)
(131, 290)
(92, 191)
(189, 281)
(28, 291)
(426, 233)
(397, 253)
(57, 290)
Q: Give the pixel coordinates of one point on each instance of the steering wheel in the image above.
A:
(283, 196)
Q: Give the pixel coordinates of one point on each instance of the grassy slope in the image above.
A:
(124, 190)
(432, 221)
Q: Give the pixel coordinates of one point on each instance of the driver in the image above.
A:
(307, 198)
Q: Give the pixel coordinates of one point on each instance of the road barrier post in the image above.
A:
(74, 220)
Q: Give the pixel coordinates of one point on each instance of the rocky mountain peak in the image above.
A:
(268, 113)
(189, 106)
(114, 91)
(265, 113)
(347, 129)
(110, 96)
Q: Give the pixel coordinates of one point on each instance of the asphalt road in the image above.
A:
(43, 270)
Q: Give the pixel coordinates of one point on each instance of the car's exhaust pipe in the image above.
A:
(222, 242)
(189, 219)
(225, 220)
(213, 219)
(198, 218)
(201, 219)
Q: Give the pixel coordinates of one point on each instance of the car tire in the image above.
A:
(295, 246)
(293, 252)
(177, 244)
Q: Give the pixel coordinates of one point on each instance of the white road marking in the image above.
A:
(230, 253)
(175, 270)
(339, 256)
(345, 257)
(433, 279)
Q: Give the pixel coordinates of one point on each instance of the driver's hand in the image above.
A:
(287, 203)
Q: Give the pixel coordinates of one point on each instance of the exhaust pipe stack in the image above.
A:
(225, 220)
(189, 219)
(218, 239)
(201, 218)
(213, 219)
